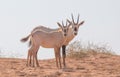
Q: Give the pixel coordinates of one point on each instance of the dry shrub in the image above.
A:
(79, 50)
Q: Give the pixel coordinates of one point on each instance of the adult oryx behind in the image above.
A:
(73, 31)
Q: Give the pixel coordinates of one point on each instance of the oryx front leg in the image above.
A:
(58, 57)
(64, 55)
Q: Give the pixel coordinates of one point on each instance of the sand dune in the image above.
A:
(93, 66)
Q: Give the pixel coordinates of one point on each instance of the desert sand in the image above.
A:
(93, 66)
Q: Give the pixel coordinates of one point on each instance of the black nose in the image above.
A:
(75, 33)
(65, 34)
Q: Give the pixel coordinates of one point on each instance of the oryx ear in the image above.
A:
(81, 23)
(59, 25)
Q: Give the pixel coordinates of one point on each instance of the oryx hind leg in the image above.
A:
(37, 63)
(29, 57)
(34, 53)
(64, 55)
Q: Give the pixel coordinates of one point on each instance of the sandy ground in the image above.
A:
(93, 66)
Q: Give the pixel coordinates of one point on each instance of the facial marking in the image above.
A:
(75, 29)
(65, 30)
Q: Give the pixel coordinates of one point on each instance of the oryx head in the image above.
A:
(64, 28)
(75, 26)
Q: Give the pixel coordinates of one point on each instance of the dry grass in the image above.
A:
(79, 50)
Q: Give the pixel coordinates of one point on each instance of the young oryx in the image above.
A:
(54, 39)
(71, 34)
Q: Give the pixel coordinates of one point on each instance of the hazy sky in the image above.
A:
(19, 17)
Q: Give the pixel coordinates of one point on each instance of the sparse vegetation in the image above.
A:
(79, 50)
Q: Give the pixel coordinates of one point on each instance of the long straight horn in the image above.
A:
(78, 19)
(66, 23)
(62, 23)
(72, 19)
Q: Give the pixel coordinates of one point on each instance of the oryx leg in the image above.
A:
(56, 56)
(64, 54)
(37, 63)
(59, 57)
(35, 50)
(29, 56)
